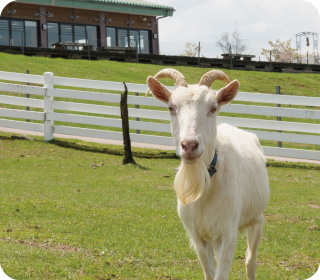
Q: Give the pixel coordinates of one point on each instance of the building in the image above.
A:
(80, 24)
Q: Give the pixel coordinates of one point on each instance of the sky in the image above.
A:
(258, 21)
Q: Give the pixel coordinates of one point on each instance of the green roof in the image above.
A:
(140, 7)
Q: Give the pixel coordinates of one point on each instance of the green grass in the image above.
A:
(251, 81)
(71, 210)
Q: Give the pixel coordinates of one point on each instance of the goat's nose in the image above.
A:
(190, 146)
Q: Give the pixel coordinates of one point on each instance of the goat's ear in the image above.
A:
(228, 93)
(159, 91)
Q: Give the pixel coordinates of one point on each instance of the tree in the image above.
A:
(232, 43)
(281, 51)
(191, 50)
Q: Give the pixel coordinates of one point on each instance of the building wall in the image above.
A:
(87, 17)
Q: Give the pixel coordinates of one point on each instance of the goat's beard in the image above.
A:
(191, 181)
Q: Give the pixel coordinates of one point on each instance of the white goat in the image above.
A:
(222, 183)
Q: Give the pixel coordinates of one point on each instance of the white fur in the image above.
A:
(214, 209)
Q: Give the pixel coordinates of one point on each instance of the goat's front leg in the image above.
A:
(205, 253)
(225, 254)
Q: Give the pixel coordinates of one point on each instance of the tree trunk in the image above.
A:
(125, 128)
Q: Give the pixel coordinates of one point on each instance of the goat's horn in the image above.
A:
(173, 74)
(208, 78)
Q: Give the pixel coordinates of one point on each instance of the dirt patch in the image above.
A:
(315, 206)
(51, 246)
(298, 262)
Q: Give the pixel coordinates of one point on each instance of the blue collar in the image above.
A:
(212, 168)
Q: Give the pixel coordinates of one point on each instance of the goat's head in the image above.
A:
(193, 110)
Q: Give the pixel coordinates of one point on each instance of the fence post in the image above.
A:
(128, 158)
(279, 118)
(27, 95)
(137, 119)
(48, 125)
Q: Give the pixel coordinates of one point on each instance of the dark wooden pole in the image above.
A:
(125, 127)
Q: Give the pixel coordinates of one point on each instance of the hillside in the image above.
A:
(251, 81)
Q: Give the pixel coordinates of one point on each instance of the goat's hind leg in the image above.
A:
(254, 234)
(205, 253)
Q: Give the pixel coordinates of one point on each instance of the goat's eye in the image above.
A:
(213, 109)
(172, 110)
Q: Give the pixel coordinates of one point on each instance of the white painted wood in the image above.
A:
(19, 77)
(97, 84)
(86, 95)
(48, 99)
(278, 99)
(272, 125)
(22, 89)
(86, 132)
(82, 119)
(139, 88)
(147, 101)
(272, 111)
(21, 125)
(151, 139)
(20, 114)
(84, 83)
(21, 101)
(287, 137)
(86, 108)
(110, 110)
(112, 135)
(150, 126)
(108, 122)
(291, 153)
(149, 114)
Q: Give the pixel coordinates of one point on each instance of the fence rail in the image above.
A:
(55, 110)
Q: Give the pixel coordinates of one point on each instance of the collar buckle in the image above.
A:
(212, 168)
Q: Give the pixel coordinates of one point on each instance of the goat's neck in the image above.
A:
(208, 154)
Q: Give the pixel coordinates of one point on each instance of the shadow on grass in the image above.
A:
(116, 150)
(144, 153)
(300, 165)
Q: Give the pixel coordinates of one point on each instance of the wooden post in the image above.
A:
(125, 127)
(199, 55)
(137, 107)
(27, 96)
(48, 124)
(279, 118)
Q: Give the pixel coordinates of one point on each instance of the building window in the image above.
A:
(111, 37)
(92, 37)
(53, 33)
(144, 42)
(123, 38)
(80, 35)
(31, 29)
(134, 39)
(66, 33)
(119, 37)
(71, 33)
(18, 33)
(4, 32)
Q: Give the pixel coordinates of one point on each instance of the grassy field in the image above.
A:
(251, 81)
(71, 210)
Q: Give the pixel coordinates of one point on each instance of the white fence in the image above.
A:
(52, 110)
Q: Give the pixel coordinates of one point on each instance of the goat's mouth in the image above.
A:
(190, 158)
